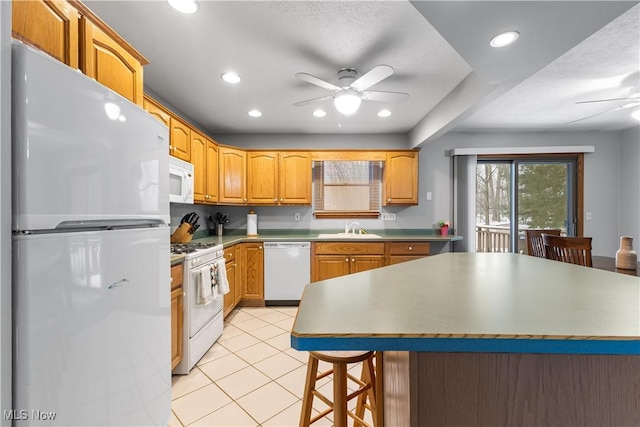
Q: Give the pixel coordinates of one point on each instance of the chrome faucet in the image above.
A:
(349, 225)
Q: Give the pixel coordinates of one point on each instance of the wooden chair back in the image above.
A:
(535, 245)
(573, 250)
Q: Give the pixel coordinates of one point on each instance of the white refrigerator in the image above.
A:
(91, 267)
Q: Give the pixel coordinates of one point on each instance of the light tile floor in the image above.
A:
(250, 377)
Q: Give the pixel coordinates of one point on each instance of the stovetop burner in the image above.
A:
(187, 248)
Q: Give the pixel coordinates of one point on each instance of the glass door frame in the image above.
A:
(575, 184)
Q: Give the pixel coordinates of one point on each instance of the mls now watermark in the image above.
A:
(23, 415)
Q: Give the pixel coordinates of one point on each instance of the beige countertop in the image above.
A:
(473, 302)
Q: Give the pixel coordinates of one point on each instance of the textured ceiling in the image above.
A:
(439, 51)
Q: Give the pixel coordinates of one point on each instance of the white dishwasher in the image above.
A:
(286, 271)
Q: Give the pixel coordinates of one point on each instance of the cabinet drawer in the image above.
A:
(409, 248)
(176, 276)
(348, 248)
(229, 254)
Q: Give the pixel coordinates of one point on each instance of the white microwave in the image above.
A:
(180, 181)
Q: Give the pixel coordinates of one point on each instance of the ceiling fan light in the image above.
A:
(504, 39)
(184, 6)
(347, 102)
(636, 114)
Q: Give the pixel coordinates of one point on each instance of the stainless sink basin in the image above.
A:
(348, 236)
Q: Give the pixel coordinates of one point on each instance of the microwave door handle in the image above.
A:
(188, 184)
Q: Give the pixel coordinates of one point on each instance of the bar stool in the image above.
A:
(365, 392)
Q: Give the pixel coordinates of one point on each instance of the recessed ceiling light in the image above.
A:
(636, 114)
(231, 78)
(319, 113)
(184, 6)
(384, 113)
(255, 113)
(504, 39)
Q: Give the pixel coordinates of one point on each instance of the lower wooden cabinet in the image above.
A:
(335, 259)
(406, 251)
(177, 309)
(252, 273)
(232, 298)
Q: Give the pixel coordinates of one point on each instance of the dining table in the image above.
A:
(609, 264)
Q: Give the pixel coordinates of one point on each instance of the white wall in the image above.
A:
(629, 194)
(5, 209)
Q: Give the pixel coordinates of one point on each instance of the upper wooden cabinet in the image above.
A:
(51, 26)
(204, 156)
(180, 139)
(71, 33)
(401, 178)
(107, 61)
(295, 178)
(278, 177)
(233, 172)
(156, 110)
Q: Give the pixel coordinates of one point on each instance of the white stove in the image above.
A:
(203, 324)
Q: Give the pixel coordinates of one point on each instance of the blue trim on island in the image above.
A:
(469, 345)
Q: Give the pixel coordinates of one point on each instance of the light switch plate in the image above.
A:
(388, 216)
(296, 216)
(429, 195)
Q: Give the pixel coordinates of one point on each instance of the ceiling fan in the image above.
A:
(354, 89)
(633, 101)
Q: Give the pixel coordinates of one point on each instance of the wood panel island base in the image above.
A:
(487, 340)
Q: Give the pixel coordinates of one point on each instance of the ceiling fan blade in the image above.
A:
(374, 76)
(599, 114)
(311, 101)
(316, 81)
(602, 100)
(375, 95)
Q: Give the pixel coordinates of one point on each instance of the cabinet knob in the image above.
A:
(347, 260)
(388, 200)
(353, 260)
(245, 199)
(410, 248)
(260, 247)
(282, 200)
(275, 200)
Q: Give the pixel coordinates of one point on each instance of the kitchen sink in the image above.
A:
(348, 236)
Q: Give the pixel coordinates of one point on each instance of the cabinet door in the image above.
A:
(211, 175)
(253, 288)
(180, 139)
(50, 26)
(401, 178)
(230, 298)
(105, 60)
(262, 178)
(176, 326)
(156, 111)
(199, 161)
(365, 262)
(330, 266)
(233, 172)
(295, 178)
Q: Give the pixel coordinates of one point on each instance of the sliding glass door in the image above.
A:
(513, 194)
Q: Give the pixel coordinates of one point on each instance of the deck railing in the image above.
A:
(492, 238)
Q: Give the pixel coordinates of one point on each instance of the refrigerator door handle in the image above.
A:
(102, 224)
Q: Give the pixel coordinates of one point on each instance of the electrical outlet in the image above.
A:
(589, 217)
(296, 216)
(388, 216)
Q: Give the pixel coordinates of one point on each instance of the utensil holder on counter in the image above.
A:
(182, 235)
(219, 229)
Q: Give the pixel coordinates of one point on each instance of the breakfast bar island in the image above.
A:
(487, 340)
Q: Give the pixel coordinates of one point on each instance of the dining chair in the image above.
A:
(533, 238)
(573, 250)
